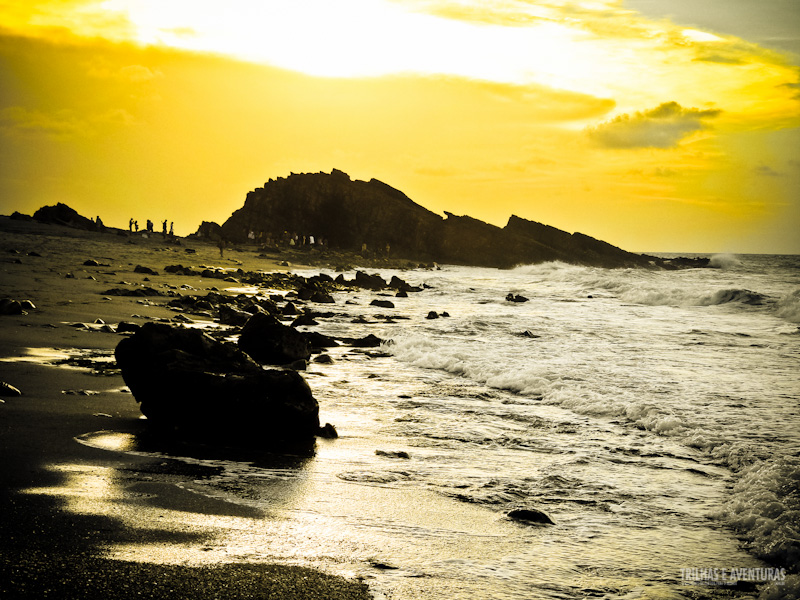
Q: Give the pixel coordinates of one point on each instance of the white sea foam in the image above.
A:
(788, 307)
(693, 357)
(765, 509)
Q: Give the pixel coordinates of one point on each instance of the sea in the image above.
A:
(653, 417)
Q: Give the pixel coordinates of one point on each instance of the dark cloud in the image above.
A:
(661, 127)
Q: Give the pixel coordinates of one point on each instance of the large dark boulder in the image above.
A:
(185, 379)
(270, 342)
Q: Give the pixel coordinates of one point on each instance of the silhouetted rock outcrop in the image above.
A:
(61, 214)
(373, 216)
(185, 379)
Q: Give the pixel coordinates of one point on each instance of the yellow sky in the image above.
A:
(649, 133)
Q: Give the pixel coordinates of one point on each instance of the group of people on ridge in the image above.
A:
(133, 227)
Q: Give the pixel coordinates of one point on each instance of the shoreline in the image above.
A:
(56, 543)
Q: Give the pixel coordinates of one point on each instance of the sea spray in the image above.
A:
(724, 261)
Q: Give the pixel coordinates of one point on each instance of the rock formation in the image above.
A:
(185, 379)
(373, 216)
(61, 214)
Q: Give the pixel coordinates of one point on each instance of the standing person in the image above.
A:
(164, 228)
(130, 225)
(171, 223)
(136, 226)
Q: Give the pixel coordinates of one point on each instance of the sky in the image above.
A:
(655, 125)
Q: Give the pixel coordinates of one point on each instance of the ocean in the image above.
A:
(653, 416)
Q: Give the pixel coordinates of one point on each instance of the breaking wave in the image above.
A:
(788, 307)
(724, 261)
(765, 510)
(651, 288)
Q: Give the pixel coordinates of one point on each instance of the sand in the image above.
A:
(54, 543)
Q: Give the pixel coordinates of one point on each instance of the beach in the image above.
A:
(49, 548)
(641, 422)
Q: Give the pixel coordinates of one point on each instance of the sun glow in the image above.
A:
(360, 38)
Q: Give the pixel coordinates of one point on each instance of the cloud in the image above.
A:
(661, 127)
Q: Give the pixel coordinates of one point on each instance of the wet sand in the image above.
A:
(59, 516)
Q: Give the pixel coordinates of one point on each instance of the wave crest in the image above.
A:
(788, 307)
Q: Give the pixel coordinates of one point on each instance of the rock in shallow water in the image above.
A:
(185, 379)
(530, 515)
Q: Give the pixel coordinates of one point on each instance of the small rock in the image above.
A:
(91, 263)
(432, 315)
(528, 334)
(323, 359)
(8, 390)
(126, 327)
(516, 298)
(368, 341)
(328, 431)
(322, 298)
(145, 270)
(382, 303)
(304, 319)
(392, 453)
(289, 309)
(530, 515)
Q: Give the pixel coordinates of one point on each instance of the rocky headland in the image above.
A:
(375, 219)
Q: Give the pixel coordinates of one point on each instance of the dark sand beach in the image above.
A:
(57, 520)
